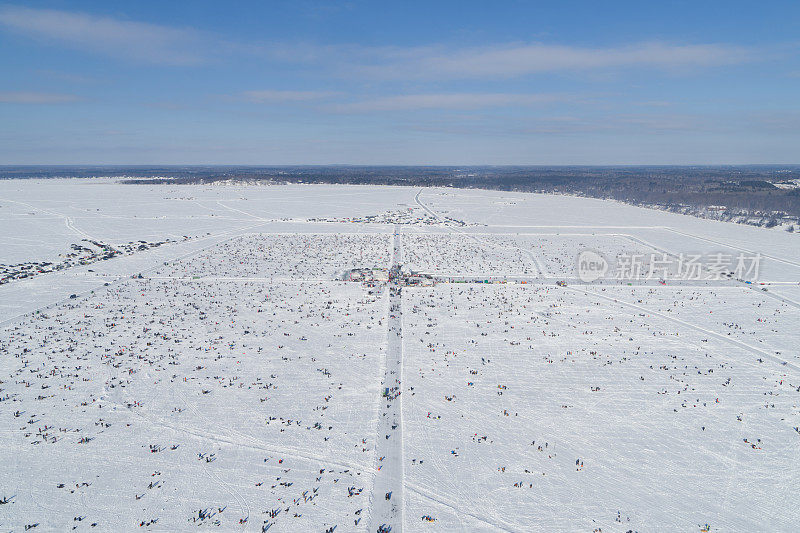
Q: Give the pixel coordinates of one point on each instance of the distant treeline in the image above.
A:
(744, 188)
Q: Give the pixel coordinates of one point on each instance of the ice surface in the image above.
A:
(230, 380)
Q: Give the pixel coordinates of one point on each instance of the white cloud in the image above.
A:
(532, 58)
(409, 102)
(36, 98)
(168, 45)
(149, 43)
(265, 97)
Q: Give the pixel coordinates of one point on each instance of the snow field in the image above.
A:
(547, 409)
(267, 401)
(239, 386)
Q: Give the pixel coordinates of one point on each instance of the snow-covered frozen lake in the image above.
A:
(184, 357)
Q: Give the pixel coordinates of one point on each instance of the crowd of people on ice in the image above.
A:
(282, 256)
(233, 401)
(159, 401)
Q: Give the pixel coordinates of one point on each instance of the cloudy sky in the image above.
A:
(316, 82)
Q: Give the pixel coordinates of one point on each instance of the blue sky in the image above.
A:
(311, 82)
